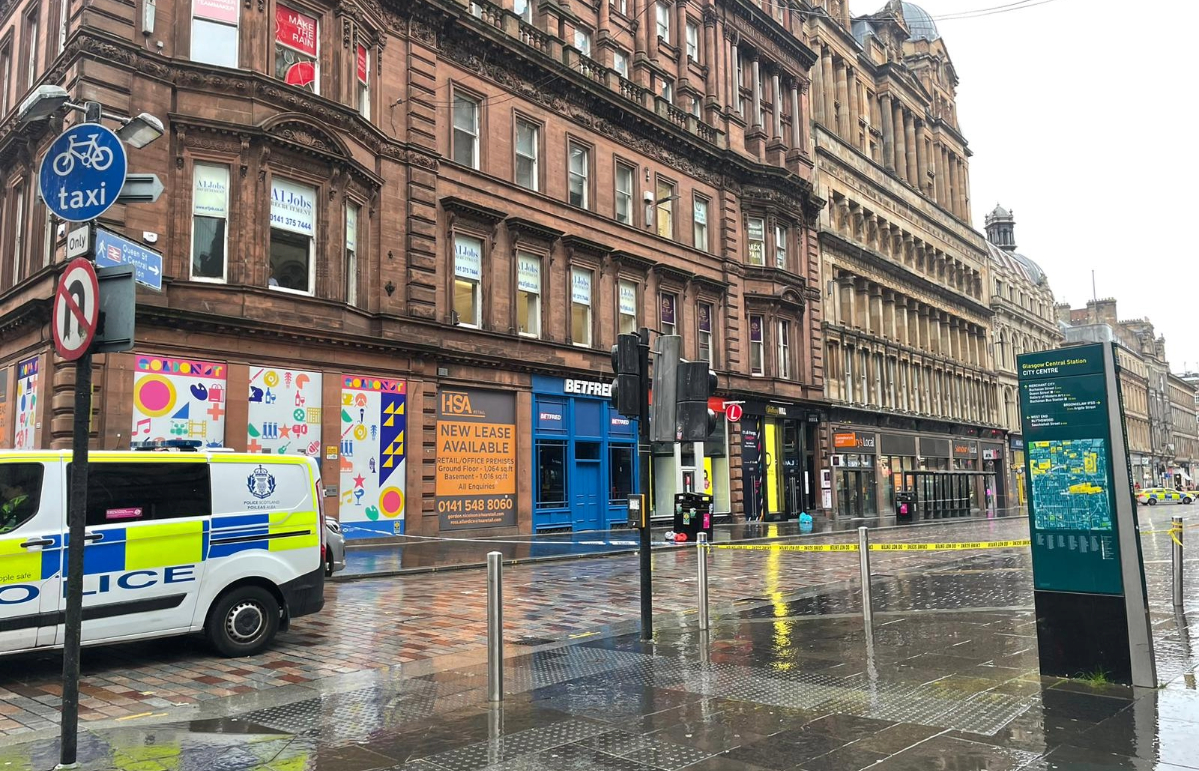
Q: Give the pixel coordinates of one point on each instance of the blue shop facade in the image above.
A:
(584, 456)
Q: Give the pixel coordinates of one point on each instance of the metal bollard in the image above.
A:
(701, 551)
(867, 600)
(495, 626)
(1176, 555)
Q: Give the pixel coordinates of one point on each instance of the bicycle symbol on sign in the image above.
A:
(89, 153)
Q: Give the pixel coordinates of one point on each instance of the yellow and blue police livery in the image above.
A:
(223, 543)
(1152, 496)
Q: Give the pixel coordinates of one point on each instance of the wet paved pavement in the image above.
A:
(949, 682)
(411, 554)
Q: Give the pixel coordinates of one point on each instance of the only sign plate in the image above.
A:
(83, 172)
(76, 309)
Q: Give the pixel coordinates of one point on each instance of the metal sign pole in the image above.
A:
(76, 521)
(644, 457)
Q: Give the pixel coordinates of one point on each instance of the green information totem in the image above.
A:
(1088, 574)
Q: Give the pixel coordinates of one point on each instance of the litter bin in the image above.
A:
(693, 514)
(905, 505)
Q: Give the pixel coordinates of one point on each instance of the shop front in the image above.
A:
(855, 473)
(897, 454)
(995, 489)
(584, 456)
(778, 460)
(1019, 488)
(693, 467)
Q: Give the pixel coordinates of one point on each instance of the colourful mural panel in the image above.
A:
(285, 412)
(372, 456)
(179, 399)
(28, 380)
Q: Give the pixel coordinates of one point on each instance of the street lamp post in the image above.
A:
(137, 132)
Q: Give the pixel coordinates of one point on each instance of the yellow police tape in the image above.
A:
(825, 547)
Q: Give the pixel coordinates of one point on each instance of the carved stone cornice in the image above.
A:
(585, 247)
(521, 229)
(673, 275)
(475, 212)
(633, 262)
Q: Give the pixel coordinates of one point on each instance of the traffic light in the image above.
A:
(694, 422)
(626, 388)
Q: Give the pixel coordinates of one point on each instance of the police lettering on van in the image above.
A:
(222, 543)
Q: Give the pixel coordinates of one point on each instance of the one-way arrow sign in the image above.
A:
(140, 188)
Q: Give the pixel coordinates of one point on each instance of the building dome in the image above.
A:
(999, 213)
(920, 23)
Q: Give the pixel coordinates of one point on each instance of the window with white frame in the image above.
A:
(528, 141)
(293, 236)
(668, 308)
(580, 306)
(755, 236)
(695, 106)
(5, 78)
(31, 41)
(210, 221)
(466, 130)
(215, 32)
(620, 63)
(665, 208)
(784, 349)
(757, 342)
(740, 82)
(64, 21)
(693, 40)
(662, 14)
(18, 233)
(528, 294)
(780, 246)
(624, 193)
(352, 212)
(468, 276)
(362, 79)
(703, 314)
(297, 48)
(524, 9)
(666, 89)
(578, 173)
(622, 6)
(699, 223)
(626, 311)
(583, 41)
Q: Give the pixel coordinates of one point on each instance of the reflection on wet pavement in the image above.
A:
(784, 681)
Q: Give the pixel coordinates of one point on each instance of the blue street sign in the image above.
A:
(83, 172)
(112, 250)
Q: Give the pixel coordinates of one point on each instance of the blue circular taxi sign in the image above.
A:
(83, 172)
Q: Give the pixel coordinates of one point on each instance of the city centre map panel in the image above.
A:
(1070, 485)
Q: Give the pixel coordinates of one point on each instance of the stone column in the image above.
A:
(888, 133)
(641, 10)
(851, 79)
(818, 86)
(938, 174)
(843, 100)
(797, 132)
(921, 169)
(777, 96)
(711, 56)
(965, 190)
(909, 140)
(952, 196)
(755, 120)
(605, 17)
(680, 35)
(830, 90)
(901, 158)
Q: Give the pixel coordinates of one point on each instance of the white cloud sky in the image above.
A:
(1080, 123)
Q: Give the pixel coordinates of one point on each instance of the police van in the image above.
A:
(224, 543)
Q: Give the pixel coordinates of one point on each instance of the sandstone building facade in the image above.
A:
(908, 362)
(1024, 321)
(386, 223)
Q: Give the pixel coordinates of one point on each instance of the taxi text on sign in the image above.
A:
(76, 309)
(83, 172)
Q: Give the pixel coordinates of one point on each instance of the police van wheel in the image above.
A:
(243, 621)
